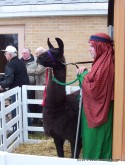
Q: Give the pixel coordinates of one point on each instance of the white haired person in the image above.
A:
(39, 73)
(15, 72)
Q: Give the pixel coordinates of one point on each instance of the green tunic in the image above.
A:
(96, 142)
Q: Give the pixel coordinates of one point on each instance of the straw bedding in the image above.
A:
(44, 148)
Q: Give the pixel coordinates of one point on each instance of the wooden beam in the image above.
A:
(119, 104)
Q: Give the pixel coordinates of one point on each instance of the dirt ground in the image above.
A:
(44, 148)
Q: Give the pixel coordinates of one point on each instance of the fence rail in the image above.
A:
(9, 136)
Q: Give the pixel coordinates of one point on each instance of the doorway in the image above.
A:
(10, 35)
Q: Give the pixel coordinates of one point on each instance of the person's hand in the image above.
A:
(1, 89)
(81, 70)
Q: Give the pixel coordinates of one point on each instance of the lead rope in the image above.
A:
(64, 84)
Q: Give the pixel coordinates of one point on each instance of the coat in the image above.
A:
(39, 73)
(15, 74)
(31, 64)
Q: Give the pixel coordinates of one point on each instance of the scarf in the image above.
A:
(98, 84)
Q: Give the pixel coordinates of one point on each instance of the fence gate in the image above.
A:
(10, 119)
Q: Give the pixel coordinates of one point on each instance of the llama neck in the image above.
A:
(56, 93)
(60, 75)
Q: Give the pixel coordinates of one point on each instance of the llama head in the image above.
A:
(54, 56)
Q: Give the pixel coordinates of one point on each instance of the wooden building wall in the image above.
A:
(119, 111)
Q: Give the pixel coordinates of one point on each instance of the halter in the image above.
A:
(50, 55)
(69, 83)
(62, 63)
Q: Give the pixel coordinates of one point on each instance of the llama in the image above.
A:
(60, 113)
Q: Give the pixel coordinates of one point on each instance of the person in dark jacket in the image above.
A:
(15, 74)
(15, 70)
(29, 60)
(30, 63)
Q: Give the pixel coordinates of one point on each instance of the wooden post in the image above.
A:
(119, 105)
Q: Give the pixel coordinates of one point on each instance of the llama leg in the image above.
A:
(72, 145)
(79, 146)
(59, 146)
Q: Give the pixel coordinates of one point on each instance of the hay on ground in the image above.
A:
(44, 148)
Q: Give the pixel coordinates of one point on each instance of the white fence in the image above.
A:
(14, 159)
(26, 114)
(9, 136)
(7, 142)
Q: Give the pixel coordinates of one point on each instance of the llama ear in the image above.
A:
(60, 44)
(49, 44)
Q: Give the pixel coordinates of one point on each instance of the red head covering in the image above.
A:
(98, 85)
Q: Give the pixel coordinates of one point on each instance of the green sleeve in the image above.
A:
(81, 77)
